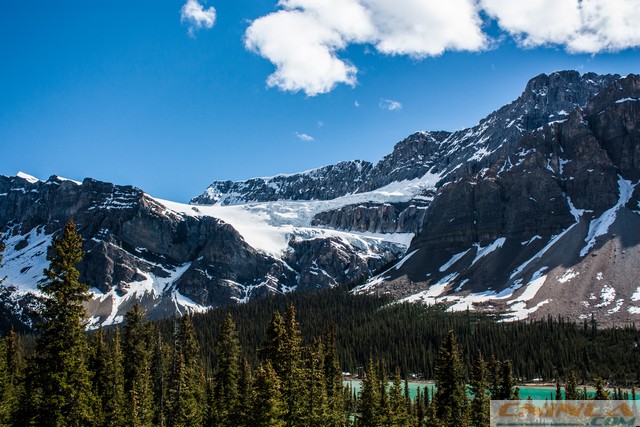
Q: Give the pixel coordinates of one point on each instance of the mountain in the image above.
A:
(533, 211)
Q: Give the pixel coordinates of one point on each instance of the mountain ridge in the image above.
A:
(555, 167)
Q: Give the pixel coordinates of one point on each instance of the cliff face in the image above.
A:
(534, 211)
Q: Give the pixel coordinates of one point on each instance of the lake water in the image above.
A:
(535, 392)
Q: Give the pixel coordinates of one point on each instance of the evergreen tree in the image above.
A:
(114, 409)
(333, 376)
(480, 388)
(397, 414)
(268, 409)
(98, 367)
(246, 394)
(571, 387)
(137, 370)
(158, 377)
(226, 396)
(601, 393)
(187, 394)
(558, 390)
(451, 403)
(60, 369)
(508, 384)
(316, 407)
(273, 348)
(369, 411)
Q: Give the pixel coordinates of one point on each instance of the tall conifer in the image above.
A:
(226, 375)
(451, 402)
(61, 374)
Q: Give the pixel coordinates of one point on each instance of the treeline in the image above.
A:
(409, 336)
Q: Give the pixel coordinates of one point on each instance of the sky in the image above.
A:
(169, 95)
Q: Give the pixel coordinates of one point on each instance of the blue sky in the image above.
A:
(131, 92)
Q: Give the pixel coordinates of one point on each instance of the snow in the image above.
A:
(617, 307)
(636, 295)
(430, 296)
(151, 285)
(534, 285)
(599, 277)
(607, 296)
(620, 101)
(60, 178)
(634, 310)
(405, 259)
(600, 226)
(269, 226)
(531, 240)
(568, 275)
(453, 260)
(30, 179)
(482, 252)
(24, 268)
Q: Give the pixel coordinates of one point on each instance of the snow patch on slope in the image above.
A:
(600, 226)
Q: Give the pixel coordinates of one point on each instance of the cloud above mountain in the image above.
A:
(306, 40)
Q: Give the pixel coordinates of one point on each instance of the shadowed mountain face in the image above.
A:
(533, 211)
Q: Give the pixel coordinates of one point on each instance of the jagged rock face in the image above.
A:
(133, 241)
(324, 183)
(562, 209)
(533, 211)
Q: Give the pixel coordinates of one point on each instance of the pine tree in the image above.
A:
(136, 367)
(98, 366)
(268, 409)
(60, 369)
(226, 375)
(246, 394)
(369, 411)
(451, 403)
(601, 393)
(507, 388)
(397, 414)
(316, 407)
(187, 394)
(571, 387)
(158, 377)
(558, 390)
(333, 376)
(114, 410)
(480, 388)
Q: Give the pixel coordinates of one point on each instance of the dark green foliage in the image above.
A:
(601, 393)
(114, 406)
(226, 376)
(62, 394)
(137, 370)
(479, 384)
(187, 397)
(268, 409)
(396, 413)
(451, 402)
(315, 410)
(369, 408)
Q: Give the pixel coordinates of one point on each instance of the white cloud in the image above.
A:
(581, 26)
(390, 104)
(304, 137)
(306, 40)
(196, 16)
(303, 39)
(319, 124)
(356, 104)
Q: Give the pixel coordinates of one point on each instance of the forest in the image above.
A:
(280, 361)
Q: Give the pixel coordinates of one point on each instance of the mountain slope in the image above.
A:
(531, 212)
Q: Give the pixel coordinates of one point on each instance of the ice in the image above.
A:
(600, 226)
